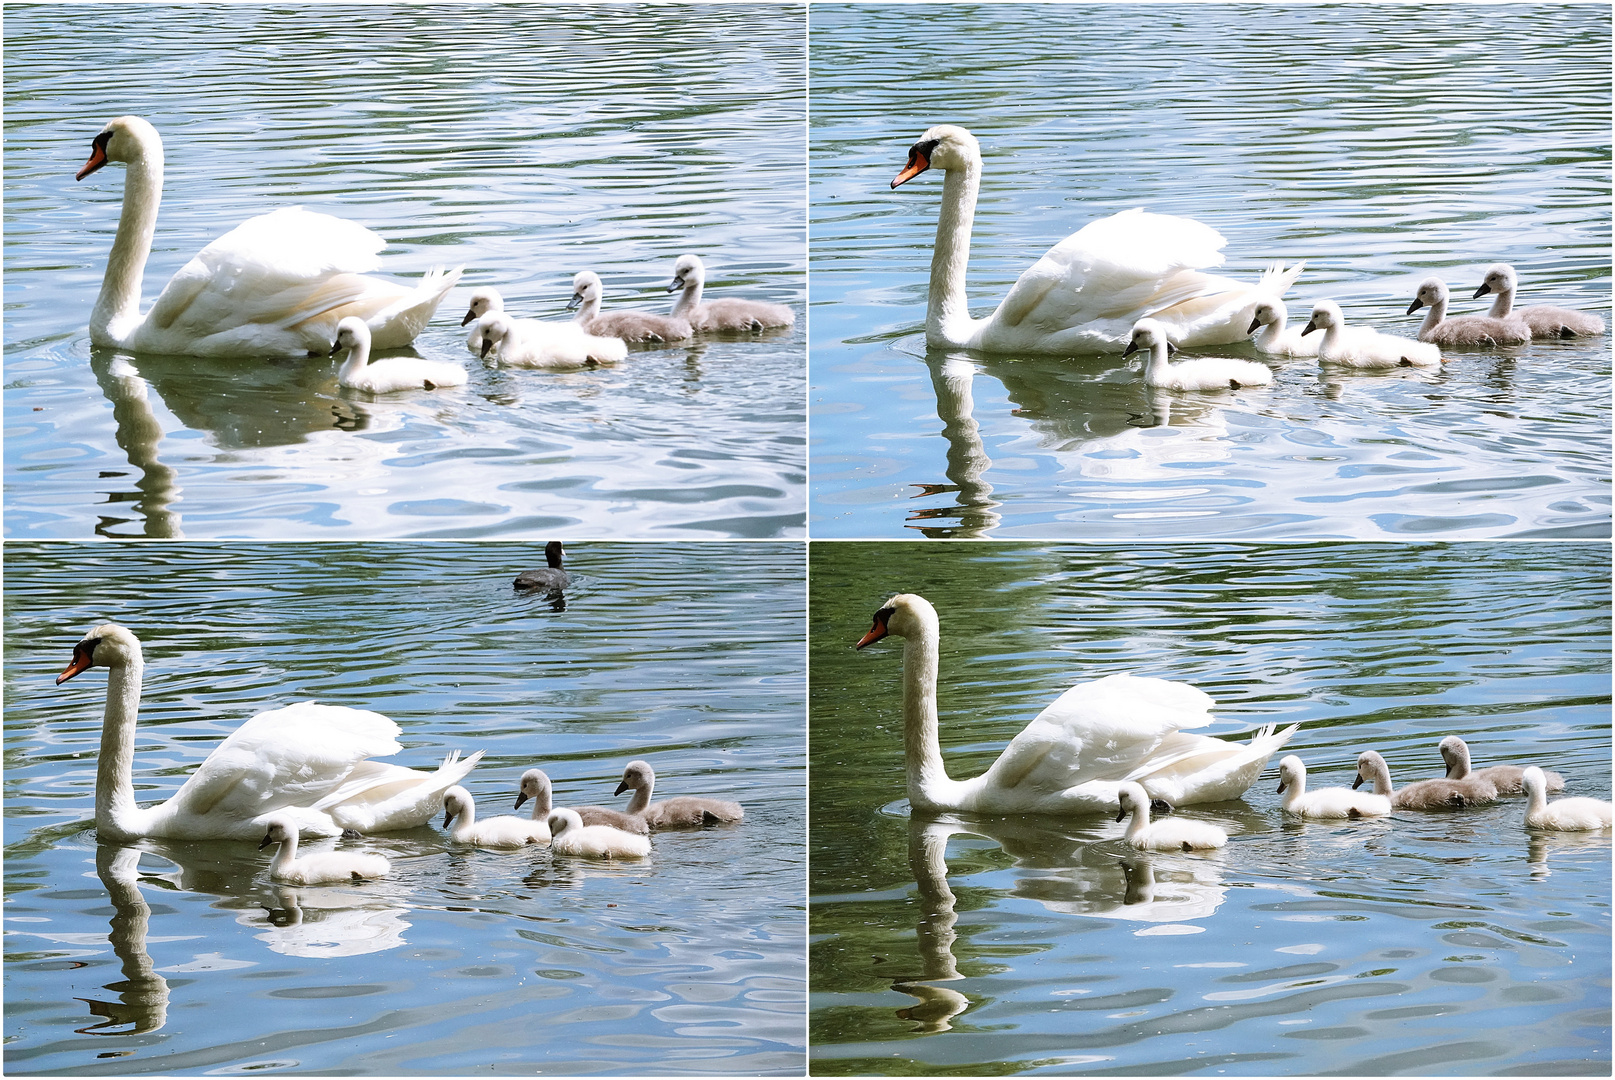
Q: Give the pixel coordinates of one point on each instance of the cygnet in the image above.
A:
(1173, 834)
(1566, 815)
(682, 812)
(726, 313)
(1462, 329)
(495, 832)
(531, 343)
(391, 374)
(569, 836)
(1544, 320)
(319, 867)
(1508, 779)
(1333, 802)
(1366, 351)
(1439, 794)
(587, 293)
(1203, 373)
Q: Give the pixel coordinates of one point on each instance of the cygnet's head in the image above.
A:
(638, 776)
(1131, 797)
(351, 333)
(1369, 766)
(127, 138)
(905, 615)
(1432, 291)
(944, 146)
(280, 830)
(1534, 782)
(483, 300)
(1147, 334)
(586, 289)
(106, 645)
(686, 271)
(456, 801)
(1291, 771)
(1499, 279)
(1455, 752)
(562, 820)
(535, 784)
(494, 328)
(1267, 311)
(1325, 313)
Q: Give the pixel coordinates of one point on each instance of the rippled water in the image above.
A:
(1427, 943)
(526, 144)
(1377, 147)
(168, 957)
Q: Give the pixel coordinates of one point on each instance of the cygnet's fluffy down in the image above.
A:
(1203, 373)
(725, 313)
(587, 294)
(1508, 779)
(484, 301)
(1173, 834)
(1544, 320)
(495, 832)
(1566, 815)
(569, 836)
(1365, 350)
(1462, 329)
(534, 344)
(321, 866)
(391, 374)
(1335, 802)
(1439, 794)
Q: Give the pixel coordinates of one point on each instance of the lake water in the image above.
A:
(526, 144)
(182, 958)
(1424, 944)
(1377, 146)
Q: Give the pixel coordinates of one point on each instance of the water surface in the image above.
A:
(1424, 944)
(1377, 149)
(526, 144)
(170, 957)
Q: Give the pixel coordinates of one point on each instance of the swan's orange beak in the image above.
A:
(917, 163)
(83, 660)
(98, 158)
(876, 632)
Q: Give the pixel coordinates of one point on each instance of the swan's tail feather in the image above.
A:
(1275, 279)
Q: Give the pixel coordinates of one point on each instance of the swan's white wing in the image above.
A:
(1115, 271)
(289, 757)
(377, 796)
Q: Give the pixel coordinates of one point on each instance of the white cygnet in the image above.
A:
(1365, 350)
(534, 344)
(1566, 815)
(569, 836)
(1203, 373)
(1173, 834)
(320, 866)
(389, 375)
(1334, 802)
(495, 832)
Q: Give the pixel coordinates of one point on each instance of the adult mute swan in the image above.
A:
(1508, 779)
(588, 292)
(305, 762)
(1462, 329)
(1330, 802)
(504, 831)
(389, 375)
(682, 812)
(1567, 815)
(1086, 293)
(1438, 794)
(1074, 755)
(546, 579)
(1173, 834)
(726, 313)
(1201, 373)
(321, 866)
(570, 836)
(1544, 320)
(275, 285)
(1368, 349)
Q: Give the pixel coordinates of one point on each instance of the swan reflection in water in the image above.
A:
(1070, 868)
(310, 922)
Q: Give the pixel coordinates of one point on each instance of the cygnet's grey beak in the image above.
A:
(1417, 304)
(1357, 782)
(675, 285)
(487, 347)
(520, 798)
(1482, 291)
(572, 304)
(1255, 324)
(1311, 326)
(468, 317)
(1132, 347)
(266, 842)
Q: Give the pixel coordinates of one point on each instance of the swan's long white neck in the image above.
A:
(1503, 304)
(1295, 790)
(1434, 317)
(116, 813)
(947, 313)
(690, 298)
(117, 309)
(922, 750)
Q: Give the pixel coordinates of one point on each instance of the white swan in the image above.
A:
(1334, 802)
(1462, 329)
(504, 831)
(1173, 834)
(1567, 815)
(321, 866)
(546, 579)
(1544, 320)
(726, 313)
(389, 375)
(1086, 293)
(587, 293)
(276, 285)
(1438, 794)
(1201, 373)
(1367, 350)
(1508, 779)
(569, 836)
(1076, 753)
(682, 812)
(533, 344)
(306, 762)
(535, 784)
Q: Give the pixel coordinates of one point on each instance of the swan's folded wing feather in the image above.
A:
(284, 757)
(379, 796)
